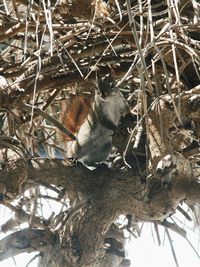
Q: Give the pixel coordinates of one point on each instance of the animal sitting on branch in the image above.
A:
(93, 122)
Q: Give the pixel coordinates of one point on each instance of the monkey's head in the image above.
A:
(105, 85)
(110, 104)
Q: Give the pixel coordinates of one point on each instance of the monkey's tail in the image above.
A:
(74, 112)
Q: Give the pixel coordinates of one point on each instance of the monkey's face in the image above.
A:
(111, 109)
(117, 107)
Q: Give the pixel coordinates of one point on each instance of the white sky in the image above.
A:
(143, 251)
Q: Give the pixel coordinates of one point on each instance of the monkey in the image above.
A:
(93, 122)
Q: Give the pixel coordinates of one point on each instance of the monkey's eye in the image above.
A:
(111, 84)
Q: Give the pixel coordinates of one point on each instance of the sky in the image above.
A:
(145, 252)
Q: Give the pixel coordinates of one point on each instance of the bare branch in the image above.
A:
(27, 240)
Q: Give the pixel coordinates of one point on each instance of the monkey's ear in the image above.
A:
(98, 80)
(106, 85)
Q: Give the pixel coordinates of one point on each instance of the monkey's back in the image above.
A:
(93, 144)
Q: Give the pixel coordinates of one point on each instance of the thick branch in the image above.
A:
(124, 190)
(108, 194)
(27, 240)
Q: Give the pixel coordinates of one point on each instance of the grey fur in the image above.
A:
(94, 138)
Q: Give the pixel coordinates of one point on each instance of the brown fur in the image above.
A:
(92, 121)
(74, 112)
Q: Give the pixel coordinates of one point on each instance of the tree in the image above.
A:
(49, 51)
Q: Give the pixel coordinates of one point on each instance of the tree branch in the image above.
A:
(124, 190)
(27, 240)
